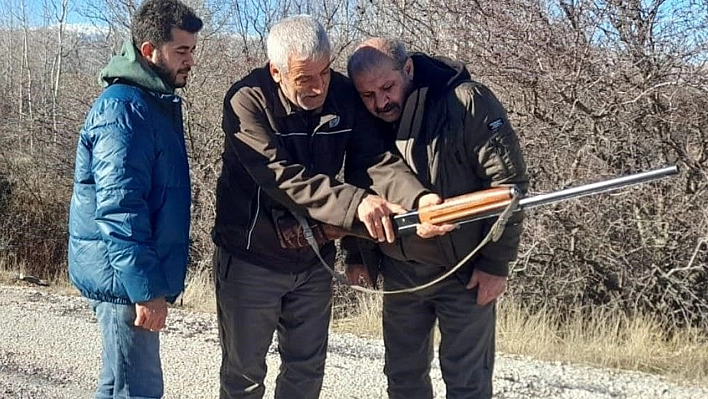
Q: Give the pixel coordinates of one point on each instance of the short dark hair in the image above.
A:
(374, 51)
(154, 20)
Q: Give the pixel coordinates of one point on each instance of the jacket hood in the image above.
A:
(437, 73)
(130, 66)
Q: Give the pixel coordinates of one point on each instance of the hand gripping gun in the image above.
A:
(491, 202)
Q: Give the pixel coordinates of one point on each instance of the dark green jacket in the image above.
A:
(456, 137)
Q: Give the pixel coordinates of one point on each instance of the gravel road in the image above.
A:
(50, 348)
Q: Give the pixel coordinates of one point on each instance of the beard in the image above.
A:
(168, 76)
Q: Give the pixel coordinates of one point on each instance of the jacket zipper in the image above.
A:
(255, 218)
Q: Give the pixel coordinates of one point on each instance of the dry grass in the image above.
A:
(10, 270)
(8, 275)
(604, 338)
(199, 293)
(365, 319)
(601, 338)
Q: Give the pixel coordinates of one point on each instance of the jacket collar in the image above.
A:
(130, 66)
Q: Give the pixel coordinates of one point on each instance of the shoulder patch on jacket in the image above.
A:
(495, 124)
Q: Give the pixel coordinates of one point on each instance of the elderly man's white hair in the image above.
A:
(299, 37)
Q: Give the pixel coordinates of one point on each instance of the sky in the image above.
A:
(39, 11)
(79, 9)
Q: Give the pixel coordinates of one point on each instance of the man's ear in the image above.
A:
(408, 69)
(147, 49)
(275, 73)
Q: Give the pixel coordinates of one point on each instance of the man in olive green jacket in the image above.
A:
(455, 135)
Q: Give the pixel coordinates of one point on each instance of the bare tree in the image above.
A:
(25, 89)
(61, 11)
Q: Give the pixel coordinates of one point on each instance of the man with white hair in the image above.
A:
(288, 127)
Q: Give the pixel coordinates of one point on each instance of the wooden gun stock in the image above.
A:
(462, 206)
(479, 203)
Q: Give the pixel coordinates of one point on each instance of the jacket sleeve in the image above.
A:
(494, 148)
(270, 165)
(123, 155)
(370, 164)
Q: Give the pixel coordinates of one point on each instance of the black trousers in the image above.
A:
(252, 302)
(467, 335)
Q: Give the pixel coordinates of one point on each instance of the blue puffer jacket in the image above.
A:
(129, 216)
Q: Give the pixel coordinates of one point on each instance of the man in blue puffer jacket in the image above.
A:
(129, 217)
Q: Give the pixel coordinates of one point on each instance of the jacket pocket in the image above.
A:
(222, 260)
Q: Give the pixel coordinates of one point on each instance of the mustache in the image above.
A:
(385, 109)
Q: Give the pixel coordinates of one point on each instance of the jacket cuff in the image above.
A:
(142, 286)
(350, 214)
(416, 198)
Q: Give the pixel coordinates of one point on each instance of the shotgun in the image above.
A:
(491, 202)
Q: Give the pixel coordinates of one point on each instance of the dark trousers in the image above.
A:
(467, 335)
(252, 302)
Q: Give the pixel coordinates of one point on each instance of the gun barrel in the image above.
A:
(406, 223)
(596, 188)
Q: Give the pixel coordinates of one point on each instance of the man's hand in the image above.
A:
(428, 200)
(151, 315)
(357, 273)
(375, 213)
(428, 230)
(489, 286)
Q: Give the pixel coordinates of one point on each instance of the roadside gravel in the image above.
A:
(50, 348)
